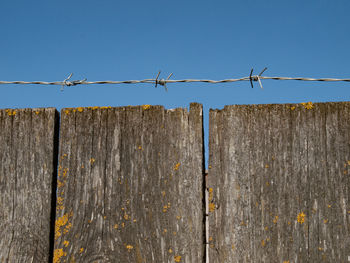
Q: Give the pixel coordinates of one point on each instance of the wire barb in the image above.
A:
(162, 82)
(256, 77)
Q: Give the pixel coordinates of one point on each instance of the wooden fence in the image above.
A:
(127, 184)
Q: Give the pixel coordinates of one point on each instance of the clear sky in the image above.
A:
(121, 40)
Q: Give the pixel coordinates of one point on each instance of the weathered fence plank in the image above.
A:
(279, 183)
(27, 169)
(130, 185)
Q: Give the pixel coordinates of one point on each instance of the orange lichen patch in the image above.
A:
(129, 247)
(177, 258)
(292, 108)
(266, 228)
(11, 112)
(116, 226)
(140, 147)
(60, 203)
(275, 220)
(301, 217)
(170, 250)
(329, 206)
(126, 216)
(165, 230)
(266, 166)
(57, 254)
(178, 217)
(123, 224)
(37, 112)
(174, 233)
(81, 250)
(289, 222)
(348, 162)
(285, 261)
(320, 248)
(307, 105)
(60, 183)
(211, 207)
(146, 107)
(163, 193)
(92, 160)
(66, 112)
(210, 238)
(166, 207)
(233, 246)
(263, 243)
(62, 222)
(66, 243)
(176, 167)
(325, 221)
(209, 167)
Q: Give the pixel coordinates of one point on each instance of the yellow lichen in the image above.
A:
(66, 112)
(170, 250)
(263, 243)
(60, 222)
(126, 216)
(211, 207)
(275, 220)
(301, 217)
(129, 247)
(11, 112)
(57, 254)
(81, 250)
(325, 221)
(80, 109)
(307, 105)
(37, 112)
(146, 107)
(92, 160)
(286, 261)
(292, 108)
(177, 258)
(116, 226)
(66, 243)
(176, 167)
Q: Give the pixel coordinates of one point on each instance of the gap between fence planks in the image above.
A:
(27, 169)
(279, 183)
(130, 185)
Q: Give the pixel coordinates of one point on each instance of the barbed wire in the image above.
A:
(67, 82)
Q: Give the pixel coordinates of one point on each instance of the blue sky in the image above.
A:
(121, 40)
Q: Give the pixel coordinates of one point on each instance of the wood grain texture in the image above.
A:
(130, 185)
(279, 183)
(27, 148)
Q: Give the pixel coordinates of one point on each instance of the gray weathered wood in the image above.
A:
(279, 177)
(27, 149)
(130, 185)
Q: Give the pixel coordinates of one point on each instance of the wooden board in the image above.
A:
(27, 169)
(279, 183)
(130, 184)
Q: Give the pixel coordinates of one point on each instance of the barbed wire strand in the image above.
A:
(163, 82)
